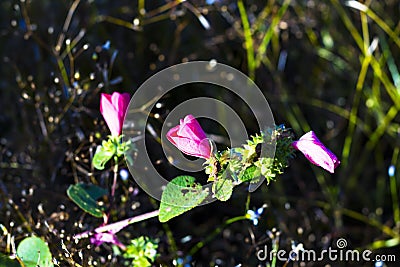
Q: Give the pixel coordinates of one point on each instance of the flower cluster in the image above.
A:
(246, 163)
(265, 155)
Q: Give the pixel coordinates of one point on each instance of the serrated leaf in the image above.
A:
(101, 157)
(249, 174)
(180, 195)
(143, 261)
(33, 251)
(255, 180)
(222, 189)
(85, 197)
(5, 261)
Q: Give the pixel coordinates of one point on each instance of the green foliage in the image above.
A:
(265, 167)
(142, 251)
(108, 149)
(313, 60)
(85, 196)
(103, 154)
(243, 164)
(247, 165)
(33, 252)
(249, 174)
(180, 195)
(222, 189)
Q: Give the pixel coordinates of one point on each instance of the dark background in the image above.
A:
(50, 122)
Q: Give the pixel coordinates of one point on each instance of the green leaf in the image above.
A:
(143, 261)
(267, 168)
(124, 147)
(6, 261)
(142, 250)
(222, 189)
(180, 195)
(249, 174)
(33, 251)
(102, 156)
(85, 197)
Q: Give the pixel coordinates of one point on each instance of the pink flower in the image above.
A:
(316, 152)
(190, 138)
(107, 237)
(113, 108)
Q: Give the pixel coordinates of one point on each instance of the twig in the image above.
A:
(118, 226)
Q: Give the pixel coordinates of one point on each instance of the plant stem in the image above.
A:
(118, 226)
(270, 33)
(354, 109)
(275, 247)
(248, 40)
(113, 186)
(393, 189)
(115, 177)
(247, 202)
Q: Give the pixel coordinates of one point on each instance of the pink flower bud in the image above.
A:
(190, 138)
(99, 238)
(316, 152)
(113, 108)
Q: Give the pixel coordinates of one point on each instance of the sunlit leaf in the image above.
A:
(33, 252)
(249, 174)
(85, 197)
(101, 157)
(222, 189)
(180, 195)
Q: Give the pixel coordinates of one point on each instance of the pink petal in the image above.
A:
(191, 128)
(113, 107)
(190, 138)
(120, 103)
(205, 149)
(110, 114)
(316, 152)
(172, 134)
(100, 238)
(190, 147)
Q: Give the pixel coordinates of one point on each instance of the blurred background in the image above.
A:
(329, 66)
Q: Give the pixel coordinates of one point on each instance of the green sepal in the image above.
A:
(103, 154)
(109, 148)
